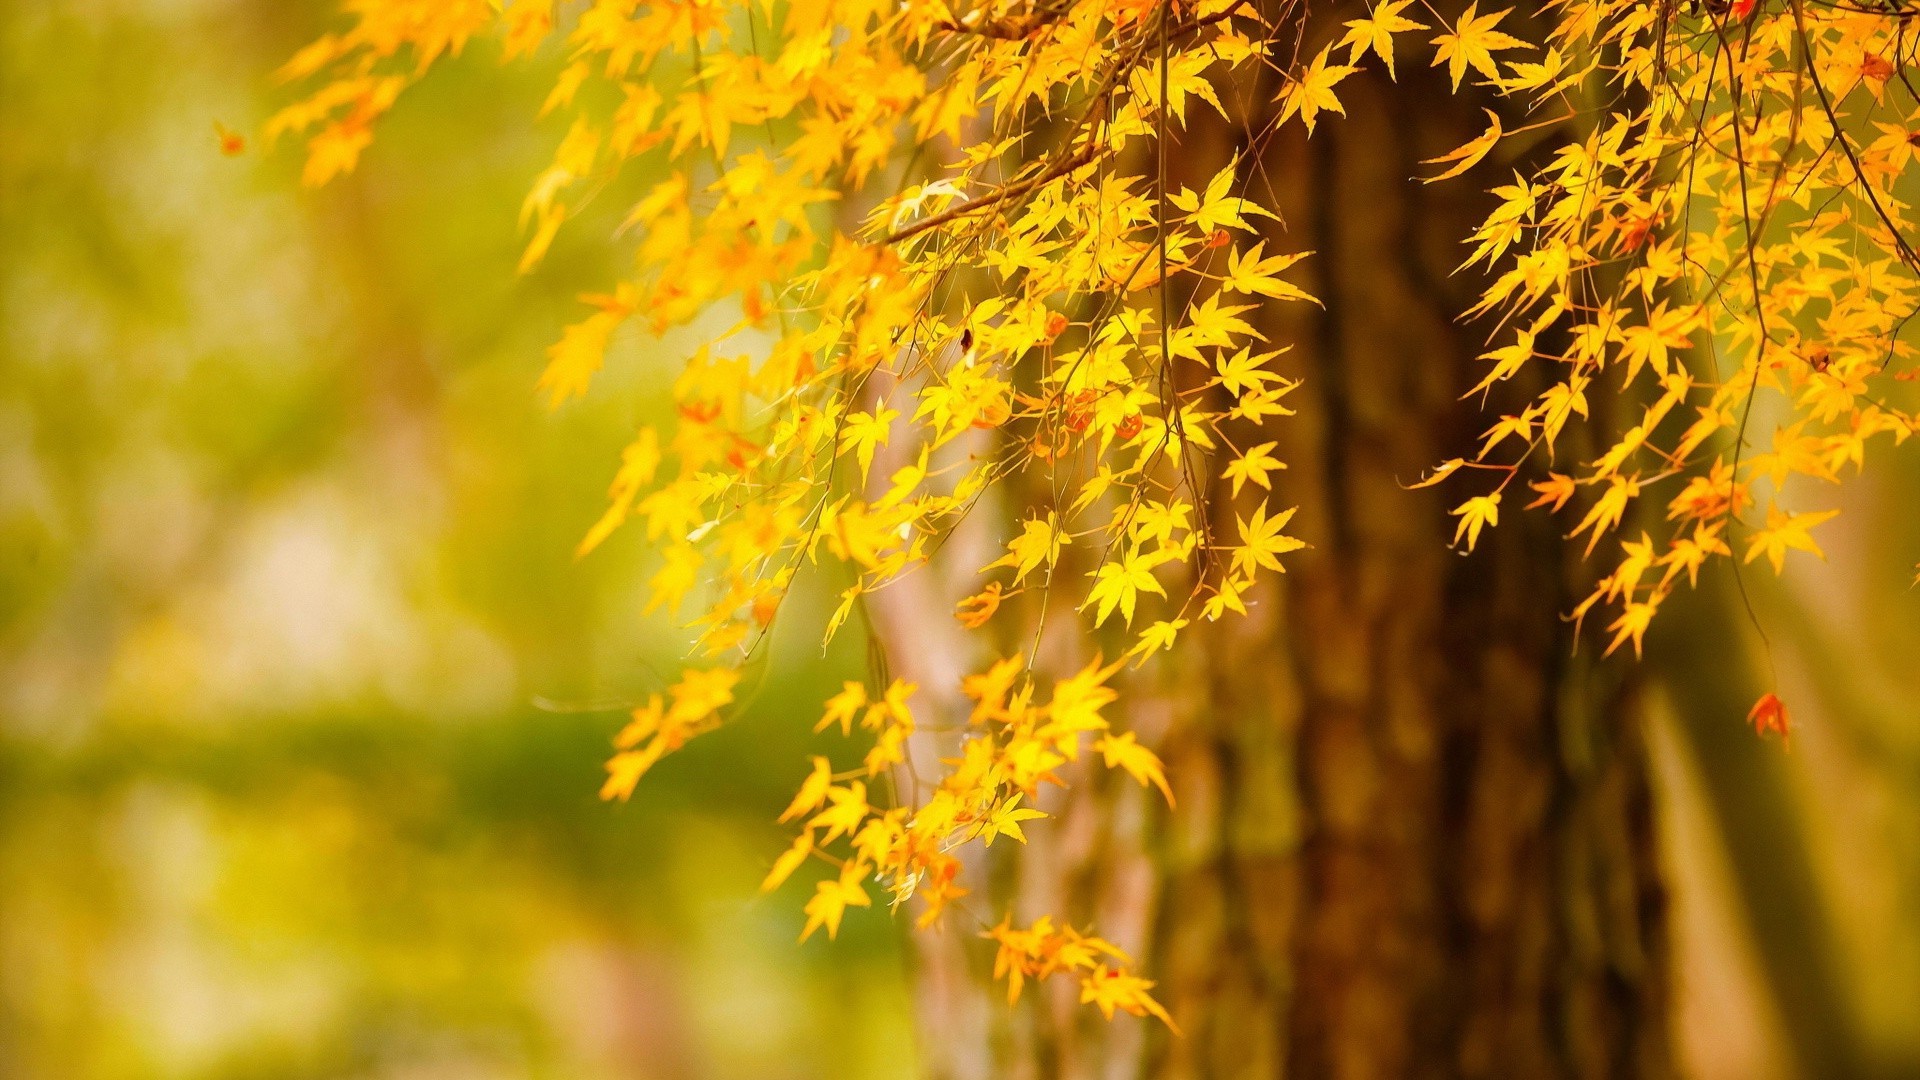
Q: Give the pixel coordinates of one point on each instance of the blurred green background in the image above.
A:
(303, 699)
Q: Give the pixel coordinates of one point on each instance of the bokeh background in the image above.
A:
(303, 697)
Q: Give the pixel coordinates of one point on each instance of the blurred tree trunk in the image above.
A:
(1415, 834)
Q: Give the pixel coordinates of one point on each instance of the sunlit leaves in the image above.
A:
(813, 791)
(1044, 950)
(658, 727)
(1759, 272)
(1631, 625)
(1110, 990)
(920, 269)
(1038, 545)
(1005, 819)
(333, 151)
(1221, 205)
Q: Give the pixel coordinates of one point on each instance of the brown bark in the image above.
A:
(1415, 832)
(1456, 874)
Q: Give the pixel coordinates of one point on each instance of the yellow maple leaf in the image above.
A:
(1005, 820)
(1476, 512)
(1125, 752)
(1119, 584)
(1468, 154)
(788, 862)
(1157, 637)
(1786, 532)
(1376, 32)
(1261, 542)
(1248, 272)
(1038, 544)
(831, 899)
(1472, 43)
(813, 791)
(333, 151)
(865, 431)
(1632, 623)
(1312, 91)
(1109, 989)
(1254, 465)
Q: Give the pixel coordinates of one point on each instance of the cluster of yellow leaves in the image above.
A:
(657, 727)
(1042, 950)
(1015, 743)
(1726, 252)
(390, 45)
(943, 253)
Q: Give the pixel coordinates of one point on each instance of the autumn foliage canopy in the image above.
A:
(941, 274)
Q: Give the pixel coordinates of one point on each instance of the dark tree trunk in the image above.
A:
(1456, 874)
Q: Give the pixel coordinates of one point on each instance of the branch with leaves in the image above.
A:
(1721, 237)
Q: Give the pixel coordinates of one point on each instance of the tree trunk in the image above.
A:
(1415, 834)
(1456, 876)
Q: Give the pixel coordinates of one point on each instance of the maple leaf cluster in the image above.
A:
(1015, 744)
(1725, 244)
(931, 250)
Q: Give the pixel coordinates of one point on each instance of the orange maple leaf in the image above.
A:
(1769, 715)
